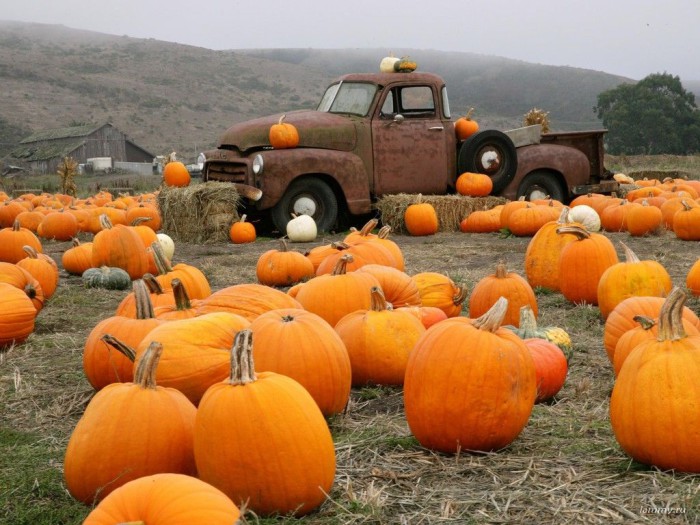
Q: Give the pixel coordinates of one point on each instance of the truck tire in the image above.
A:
(540, 185)
(307, 196)
(490, 152)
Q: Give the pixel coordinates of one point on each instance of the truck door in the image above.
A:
(409, 143)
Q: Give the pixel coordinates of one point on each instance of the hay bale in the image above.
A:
(199, 213)
(450, 209)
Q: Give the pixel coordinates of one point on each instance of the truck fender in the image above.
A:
(345, 170)
(568, 166)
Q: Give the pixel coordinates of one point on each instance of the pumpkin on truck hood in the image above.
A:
(317, 129)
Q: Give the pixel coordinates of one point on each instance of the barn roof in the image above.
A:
(48, 150)
(62, 133)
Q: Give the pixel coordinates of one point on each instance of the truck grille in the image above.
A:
(227, 172)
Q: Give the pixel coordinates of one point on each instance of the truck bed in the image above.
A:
(589, 142)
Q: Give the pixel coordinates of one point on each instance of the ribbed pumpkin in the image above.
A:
(363, 252)
(686, 221)
(474, 184)
(301, 345)
(247, 300)
(119, 246)
(692, 279)
(182, 308)
(654, 403)
(43, 268)
(631, 277)
(13, 239)
(17, 315)
(398, 287)
(77, 258)
(543, 252)
(149, 215)
(283, 134)
(427, 315)
(158, 297)
(283, 267)
(482, 221)
(582, 263)
(165, 499)
(242, 232)
(196, 351)
(102, 363)
(9, 210)
(440, 291)
(379, 341)
(621, 319)
(127, 431)
(470, 384)
(349, 292)
(420, 218)
(59, 225)
(465, 126)
(551, 367)
(278, 457)
(24, 281)
(527, 220)
(644, 219)
(176, 174)
(502, 283)
(192, 277)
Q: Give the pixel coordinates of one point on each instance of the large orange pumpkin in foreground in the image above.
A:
(470, 384)
(278, 455)
(165, 499)
(654, 404)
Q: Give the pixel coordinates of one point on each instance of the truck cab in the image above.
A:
(377, 134)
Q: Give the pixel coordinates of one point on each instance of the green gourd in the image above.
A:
(106, 277)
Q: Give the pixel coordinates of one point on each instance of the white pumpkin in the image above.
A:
(585, 215)
(302, 228)
(387, 64)
(167, 244)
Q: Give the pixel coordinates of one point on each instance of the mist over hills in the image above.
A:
(167, 96)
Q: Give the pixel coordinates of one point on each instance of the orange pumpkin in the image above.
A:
(420, 218)
(155, 499)
(465, 127)
(453, 396)
(248, 300)
(278, 457)
(399, 288)
(121, 247)
(242, 232)
(102, 455)
(283, 135)
(59, 225)
(301, 345)
(379, 341)
(43, 268)
(17, 315)
(283, 267)
(13, 240)
(551, 367)
(175, 174)
(440, 291)
(692, 279)
(77, 258)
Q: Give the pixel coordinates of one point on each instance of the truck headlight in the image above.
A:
(258, 164)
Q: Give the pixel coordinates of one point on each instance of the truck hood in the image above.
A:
(316, 129)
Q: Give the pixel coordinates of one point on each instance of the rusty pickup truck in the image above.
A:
(385, 133)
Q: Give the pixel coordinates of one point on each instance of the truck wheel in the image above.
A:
(540, 185)
(307, 197)
(490, 152)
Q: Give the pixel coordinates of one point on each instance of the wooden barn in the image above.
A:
(42, 152)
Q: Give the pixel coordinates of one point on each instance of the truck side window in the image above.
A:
(417, 102)
(389, 106)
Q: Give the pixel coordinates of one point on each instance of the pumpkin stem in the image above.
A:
(105, 223)
(377, 301)
(281, 119)
(242, 365)
(580, 232)
(647, 323)
(468, 116)
(527, 321)
(182, 300)
(16, 226)
(284, 246)
(630, 256)
(492, 319)
(243, 218)
(384, 232)
(460, 296)
(30, 251)
(138, 220)
(142, 300)
(119, 346)
(162, 263)
(501, 272)
(152, 284)
(75, 242)
(145, 373)
(341, 266)
(670, 318)
(368, 227)
(564, 216)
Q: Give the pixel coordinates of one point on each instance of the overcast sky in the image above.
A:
(633, 38)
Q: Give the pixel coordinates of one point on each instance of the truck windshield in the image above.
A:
(348, 97)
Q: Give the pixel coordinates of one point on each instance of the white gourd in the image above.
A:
(302, 228)
(387, 64)
(585, 215)
(167, 244)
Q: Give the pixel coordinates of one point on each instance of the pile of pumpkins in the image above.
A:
(278, 357)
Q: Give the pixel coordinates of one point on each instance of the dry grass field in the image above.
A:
(565, 467)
